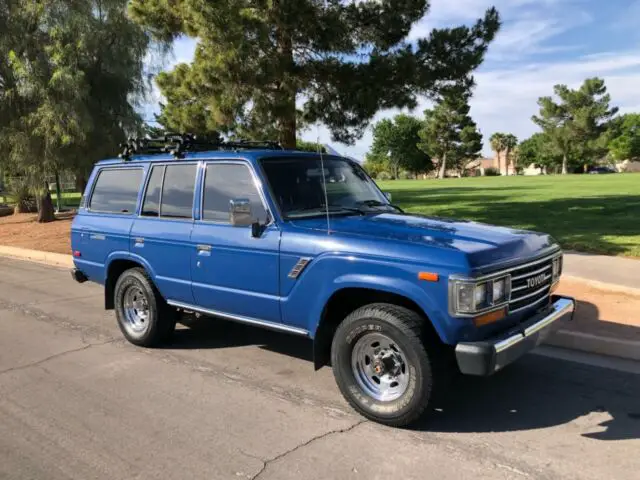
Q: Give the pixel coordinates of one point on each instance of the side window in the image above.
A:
(225, 182)
(151, 204)
(116, 190)
(177, 191)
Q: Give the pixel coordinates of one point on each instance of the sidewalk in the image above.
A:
(609, 273)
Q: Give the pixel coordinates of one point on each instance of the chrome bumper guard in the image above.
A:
(488, 356)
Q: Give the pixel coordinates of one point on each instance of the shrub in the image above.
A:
(383, 176)
(491, 172)
(20, 190)
(404, 175)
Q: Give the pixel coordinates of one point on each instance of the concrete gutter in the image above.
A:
(565, 338)
(37, 256)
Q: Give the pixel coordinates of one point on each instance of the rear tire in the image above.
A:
(143, 316)
(381, 365)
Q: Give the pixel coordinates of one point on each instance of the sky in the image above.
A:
(541, 43)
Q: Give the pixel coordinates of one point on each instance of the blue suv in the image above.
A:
(307, 244)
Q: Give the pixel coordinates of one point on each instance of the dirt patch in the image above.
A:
(601, 312)
(23, 231)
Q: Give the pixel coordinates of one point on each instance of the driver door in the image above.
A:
(234, 273)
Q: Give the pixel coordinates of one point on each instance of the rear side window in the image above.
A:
(225, 182)
(177, 191)
(151, 204)
(116, 190)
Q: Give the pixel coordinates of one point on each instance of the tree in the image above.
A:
(510, 142)
(449, 134)
(74, 71)
(497, 141)
(626, 143)
(577, 123)
(536, 150)
(395, 144)
(267, 68)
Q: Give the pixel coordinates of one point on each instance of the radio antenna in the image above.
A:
(324, 181)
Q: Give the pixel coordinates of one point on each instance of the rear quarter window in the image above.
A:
(116, 190)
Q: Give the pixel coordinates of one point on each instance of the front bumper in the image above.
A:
(488, 356)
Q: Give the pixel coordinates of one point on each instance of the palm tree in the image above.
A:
(509, 142)
(498, 146)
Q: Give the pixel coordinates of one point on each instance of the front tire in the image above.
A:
(381, 365)
(143, 316)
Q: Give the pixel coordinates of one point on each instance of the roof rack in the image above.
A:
(178, 144)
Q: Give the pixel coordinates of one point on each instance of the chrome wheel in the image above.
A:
(136, 310)
(380, 367)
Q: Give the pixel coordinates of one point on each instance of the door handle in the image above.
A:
(204, 248)
(97, 237)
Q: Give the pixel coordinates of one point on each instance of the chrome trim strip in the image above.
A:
(240, 318)
(530, 304)
(531, 274)
(528, 295)
(560, 308)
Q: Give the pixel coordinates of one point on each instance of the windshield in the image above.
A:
(297, 186)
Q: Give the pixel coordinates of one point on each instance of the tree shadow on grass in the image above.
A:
(585, 224)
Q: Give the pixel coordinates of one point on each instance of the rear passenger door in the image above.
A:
(234, 273)
(103, 227)
(161, 233)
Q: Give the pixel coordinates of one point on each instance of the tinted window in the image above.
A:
(116, 190)
(151, 205)
(177, 191)
(225, 182)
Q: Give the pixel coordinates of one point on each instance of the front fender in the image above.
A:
(330, 273)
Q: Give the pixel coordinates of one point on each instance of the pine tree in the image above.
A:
(269, 68)
(449, 134)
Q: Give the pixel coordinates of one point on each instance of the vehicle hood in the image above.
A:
(484, 245)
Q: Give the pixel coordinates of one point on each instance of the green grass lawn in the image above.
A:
(69, 200)
(590, 213)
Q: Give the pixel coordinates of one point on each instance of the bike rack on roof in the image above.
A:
(178, 144)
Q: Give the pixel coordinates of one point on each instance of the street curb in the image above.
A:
(45, 258)
(585, 342)
(611, 287)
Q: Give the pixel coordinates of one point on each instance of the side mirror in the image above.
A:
(240, 212)
(388, 195)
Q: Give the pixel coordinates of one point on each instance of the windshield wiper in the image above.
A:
(321, 210)
(378, 203)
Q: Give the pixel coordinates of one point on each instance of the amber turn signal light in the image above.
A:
(490, 317)
(428, 276)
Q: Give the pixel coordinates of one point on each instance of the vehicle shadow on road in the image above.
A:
(536, 392)
(541, 392)
(209, 333)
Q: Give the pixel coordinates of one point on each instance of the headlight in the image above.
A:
(469, 297)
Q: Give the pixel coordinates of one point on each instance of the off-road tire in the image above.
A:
(406, 328)
(161, 317)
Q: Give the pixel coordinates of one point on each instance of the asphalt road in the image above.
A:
(229, 401)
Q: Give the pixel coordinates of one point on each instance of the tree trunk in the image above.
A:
(443, 166)
(564, 164)
(45, 208)
(396, 170)
(507, 162)
(58, 193)
(81, 182)
(287, 90)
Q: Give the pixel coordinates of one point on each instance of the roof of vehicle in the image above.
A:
(251, 155)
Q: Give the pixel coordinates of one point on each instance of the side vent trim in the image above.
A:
(299, 267)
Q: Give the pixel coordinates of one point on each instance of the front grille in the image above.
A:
(530, 285)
